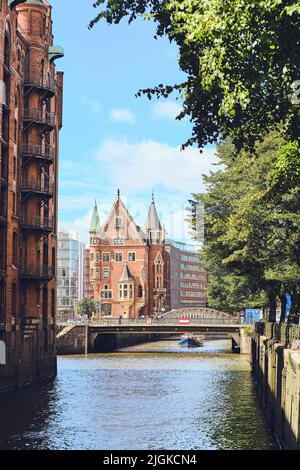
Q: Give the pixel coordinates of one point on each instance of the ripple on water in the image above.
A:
(139, 402)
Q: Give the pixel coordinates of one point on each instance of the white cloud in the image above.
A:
(122, 115)
(166, 110)
(80, 226)
(135, 168)
(147, 164)
(93, 104)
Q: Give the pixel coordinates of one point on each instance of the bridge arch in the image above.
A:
(102, 343)
(196, 313)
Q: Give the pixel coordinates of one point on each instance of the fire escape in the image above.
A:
(37, 185)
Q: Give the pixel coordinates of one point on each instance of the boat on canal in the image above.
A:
(191, 341)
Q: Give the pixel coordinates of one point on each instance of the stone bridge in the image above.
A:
(196, 313)
(107, 335)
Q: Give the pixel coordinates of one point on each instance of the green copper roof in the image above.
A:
(13, 3)
(95, 223)
(55, 52)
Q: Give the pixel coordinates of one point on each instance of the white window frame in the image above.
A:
(134, 256)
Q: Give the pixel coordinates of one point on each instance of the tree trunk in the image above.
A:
(283, 308)
(295, 308)
(272, 306)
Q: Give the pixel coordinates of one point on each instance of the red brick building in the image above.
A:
(128, 263)
(133, 270)
(30, 120)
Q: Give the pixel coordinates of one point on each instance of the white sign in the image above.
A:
(184, 321)
(2, 353)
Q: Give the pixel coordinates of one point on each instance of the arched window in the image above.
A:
(15, 249)
(140, 291)
(53, 261)
(14, 300)
(53, 303)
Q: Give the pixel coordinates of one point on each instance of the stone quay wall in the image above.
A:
(275, 359)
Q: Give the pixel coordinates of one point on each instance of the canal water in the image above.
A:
(152, 396)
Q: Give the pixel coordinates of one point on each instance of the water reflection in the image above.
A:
(134, 401)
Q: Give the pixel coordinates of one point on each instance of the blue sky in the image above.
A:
(110, 139)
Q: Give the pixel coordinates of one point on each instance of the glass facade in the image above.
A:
(69, 274)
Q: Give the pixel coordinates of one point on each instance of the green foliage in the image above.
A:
(252, 250)
(87, 306)
(249, 330)
(241, 59)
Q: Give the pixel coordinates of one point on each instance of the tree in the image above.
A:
(241, 59)
(87, 306)
(252, 250)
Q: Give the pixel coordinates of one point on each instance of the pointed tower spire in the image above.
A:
(119, 194)
(153, 222)
(153, 226)
(95, 222)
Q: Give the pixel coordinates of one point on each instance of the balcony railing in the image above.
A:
(36, 186)
(38, 151)
(39, 116)
(3, 219)
(36, 273)
(38, 81)
(38, 223)
(3, 182)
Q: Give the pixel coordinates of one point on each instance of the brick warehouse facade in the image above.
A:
(132, 270)
(31, 118)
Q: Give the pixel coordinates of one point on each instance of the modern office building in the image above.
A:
(187, 280)
(136, 272)
(30, 121)
(70, 272)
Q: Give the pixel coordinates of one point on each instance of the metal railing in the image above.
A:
(39, 186)
(36, 222)
(37, 115)
(41, 151)
(154, 322)
(3, 182)
(36, 80)
(36, 272)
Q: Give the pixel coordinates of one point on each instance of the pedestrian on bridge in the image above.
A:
(120, 319)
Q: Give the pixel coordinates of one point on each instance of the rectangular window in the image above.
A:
(119, 241)
(106, 294)
(105, 257)
(106, 310)
(131, 257)
(106, 273)
(119, 257)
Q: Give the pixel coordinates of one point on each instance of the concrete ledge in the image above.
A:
(276, 370)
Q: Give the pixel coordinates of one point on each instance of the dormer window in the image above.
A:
(119, 222)
(119, 241)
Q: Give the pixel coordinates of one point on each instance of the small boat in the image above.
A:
(191, 341)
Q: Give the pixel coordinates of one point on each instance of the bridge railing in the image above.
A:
(157, 322)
